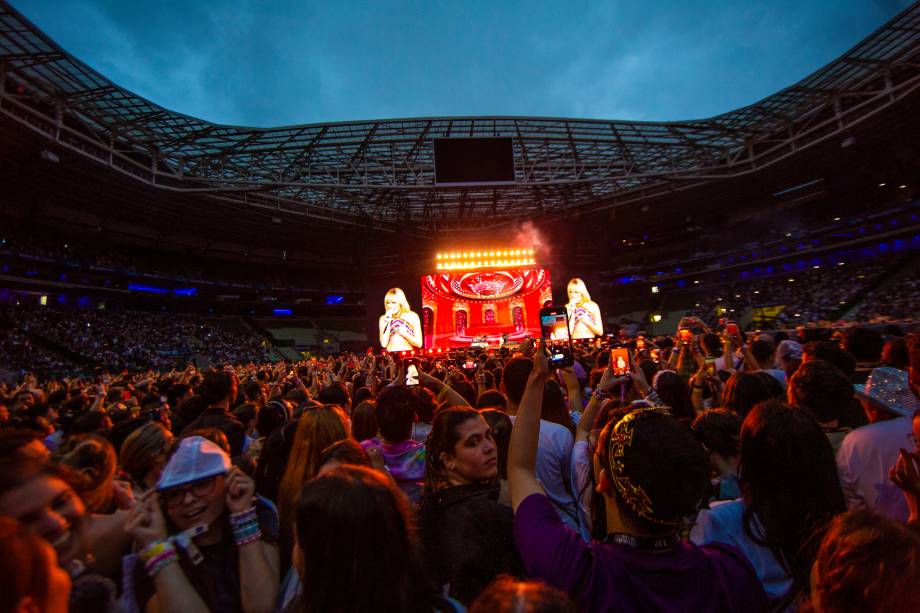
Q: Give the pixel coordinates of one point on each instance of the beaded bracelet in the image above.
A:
(600, 395)
(245, 527)
(158, 555)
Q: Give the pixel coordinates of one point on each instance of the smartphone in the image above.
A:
(619, 360)
(557, 342)
(411, 371)
(640, 343)
(469, 365)
(731, 329)
(351, 364)
(685, 335)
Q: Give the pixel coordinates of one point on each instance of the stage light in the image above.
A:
(902, 186)
(656, 318)
(437, 256)
(654, 289)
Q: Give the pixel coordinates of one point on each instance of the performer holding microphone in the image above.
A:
(400, 327)
(584, 314)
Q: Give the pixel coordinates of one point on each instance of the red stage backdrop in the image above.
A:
(460, 307)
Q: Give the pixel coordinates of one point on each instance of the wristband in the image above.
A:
(600, 395)
(158, 555)
(245, 527)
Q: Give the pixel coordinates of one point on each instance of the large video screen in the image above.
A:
(483, 308)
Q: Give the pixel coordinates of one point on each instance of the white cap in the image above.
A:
(197, 458)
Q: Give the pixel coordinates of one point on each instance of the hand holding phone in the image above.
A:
(619, 361)
(557, 343)
(411, 365)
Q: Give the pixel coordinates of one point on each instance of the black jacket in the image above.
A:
(216, 417)
(468, 538)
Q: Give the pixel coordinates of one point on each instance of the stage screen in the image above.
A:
(480, 308)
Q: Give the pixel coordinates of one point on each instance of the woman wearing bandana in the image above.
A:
(651, 473)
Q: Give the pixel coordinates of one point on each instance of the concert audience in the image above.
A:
(598, 515)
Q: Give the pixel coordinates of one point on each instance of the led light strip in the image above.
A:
(462, 265)
(492, 258)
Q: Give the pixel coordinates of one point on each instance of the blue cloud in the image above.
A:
(287, 62)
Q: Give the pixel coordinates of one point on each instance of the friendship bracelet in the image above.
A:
(158, 555)
(246, 527)
(243, 517)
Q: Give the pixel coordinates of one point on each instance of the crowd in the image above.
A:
(812, 295)
(715, 471)
(899, 302)
(123, 339)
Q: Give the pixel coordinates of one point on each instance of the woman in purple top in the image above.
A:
(651, 473)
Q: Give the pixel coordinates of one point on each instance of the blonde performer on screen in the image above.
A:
(400, 328)
(584, 314)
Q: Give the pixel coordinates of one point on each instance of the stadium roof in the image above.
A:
(380, 173)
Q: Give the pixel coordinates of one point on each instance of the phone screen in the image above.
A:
(469, 365)
(619, 359)
(686, 335)
(554, 328)
(640, 343)
(412, 372)
(732, 329)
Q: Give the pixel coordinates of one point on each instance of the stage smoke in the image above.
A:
(528, 236)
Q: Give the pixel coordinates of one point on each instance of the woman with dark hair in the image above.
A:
(790, 490)
(554, 409)
(364, 421)
(868, 563)
(674, 394)
(501, 433)
(492, 399)
(467, 534)
(340, 453)
(356, 547)
(651, 473)
(744, 389)
(719, 431)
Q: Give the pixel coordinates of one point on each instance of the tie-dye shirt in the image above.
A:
(406, 462)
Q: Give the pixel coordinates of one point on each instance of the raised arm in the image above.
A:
(525, 436)
(445, 392)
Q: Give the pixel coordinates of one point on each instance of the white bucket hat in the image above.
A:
(197, 458)
(888, 388)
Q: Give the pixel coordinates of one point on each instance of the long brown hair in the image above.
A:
(443, 439)
(317, 429)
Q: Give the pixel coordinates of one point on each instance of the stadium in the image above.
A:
(234, 285)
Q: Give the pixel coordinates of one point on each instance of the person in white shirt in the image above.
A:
(867, 453)
(790, 491)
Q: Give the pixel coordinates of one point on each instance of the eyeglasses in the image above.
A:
(174, 496)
